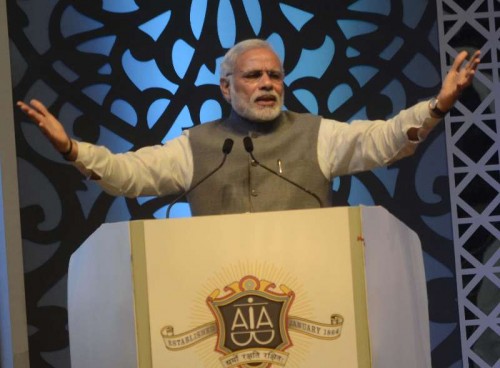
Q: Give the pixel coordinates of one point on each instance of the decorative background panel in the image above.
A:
(133, 73)
(473, 143)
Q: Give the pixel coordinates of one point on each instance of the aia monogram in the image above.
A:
(251, 320)
(247, 328)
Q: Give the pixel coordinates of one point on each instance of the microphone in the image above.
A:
(248, 144)
(226, 150)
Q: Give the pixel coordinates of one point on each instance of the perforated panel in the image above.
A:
(473, 142)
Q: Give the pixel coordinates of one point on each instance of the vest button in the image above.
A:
(253, 162)
(254, 193)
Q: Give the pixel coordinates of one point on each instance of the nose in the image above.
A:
(265, 82)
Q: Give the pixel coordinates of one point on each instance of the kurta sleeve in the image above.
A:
(347, 148)
(156, 170)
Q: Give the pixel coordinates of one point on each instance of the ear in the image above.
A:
(225, 89)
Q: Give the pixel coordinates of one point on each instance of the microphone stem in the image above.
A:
(195, 186)
(288, 180)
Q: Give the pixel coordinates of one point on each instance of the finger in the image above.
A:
(40, 107)
(474, 58)
(459, 60)
(30, 112)
(23, 106)
(475, 61)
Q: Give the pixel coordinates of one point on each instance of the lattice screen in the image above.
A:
(473, 145)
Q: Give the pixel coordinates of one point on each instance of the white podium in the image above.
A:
(336, 287)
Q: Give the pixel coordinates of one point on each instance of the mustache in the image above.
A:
(266, 95)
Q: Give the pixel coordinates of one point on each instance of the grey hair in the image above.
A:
(229, 61)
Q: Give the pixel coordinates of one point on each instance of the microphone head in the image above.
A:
(247, 142)
(227, 146)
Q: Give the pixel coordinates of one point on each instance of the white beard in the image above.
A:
(253, 112)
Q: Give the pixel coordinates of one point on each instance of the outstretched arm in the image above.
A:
(155, 170)
(459, 77)
(51, 128)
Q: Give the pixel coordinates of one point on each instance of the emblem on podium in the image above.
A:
(251, 320)
(252, 325)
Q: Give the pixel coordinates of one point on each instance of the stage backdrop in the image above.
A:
(133, 73)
